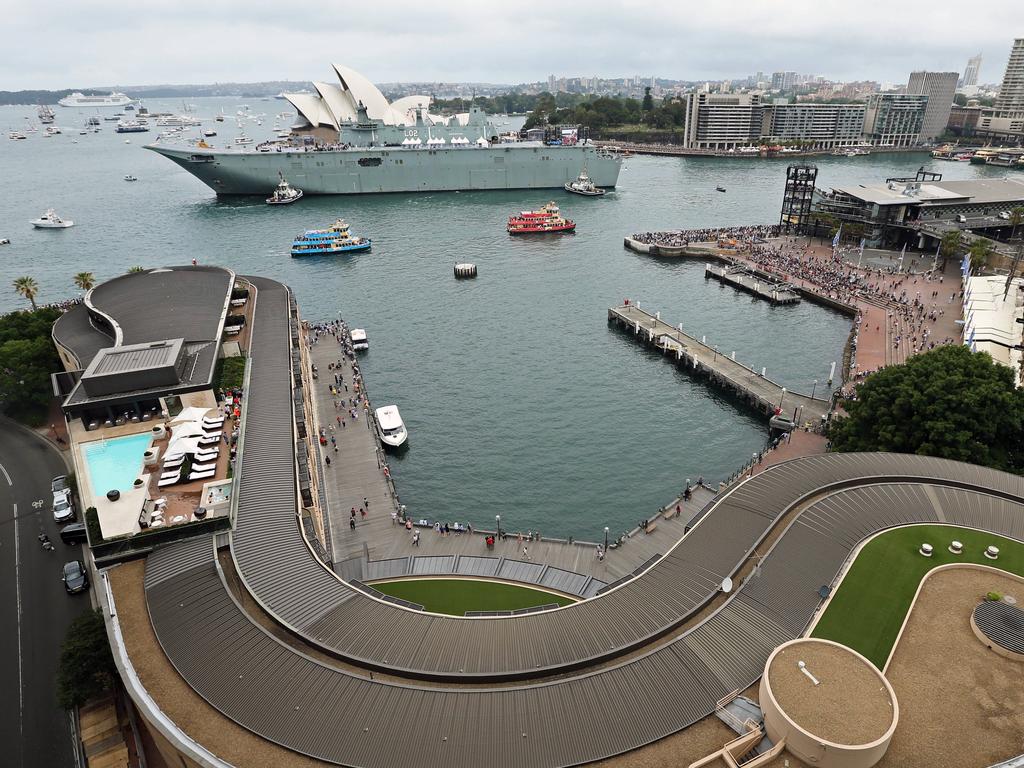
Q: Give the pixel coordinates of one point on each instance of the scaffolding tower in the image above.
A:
(797, 199)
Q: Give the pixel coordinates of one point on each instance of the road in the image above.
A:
(34, 608)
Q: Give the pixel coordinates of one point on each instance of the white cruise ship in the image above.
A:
(78, 99)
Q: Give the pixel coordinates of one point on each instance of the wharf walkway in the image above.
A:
(744, 279)
(700, 358)
(379, 548)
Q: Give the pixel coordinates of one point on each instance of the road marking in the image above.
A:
(17, 592)
(4, 470)
(38, 504)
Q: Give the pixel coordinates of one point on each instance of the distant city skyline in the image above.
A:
(191, 42)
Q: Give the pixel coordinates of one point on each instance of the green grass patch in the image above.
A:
(456, 596)
(867, 611)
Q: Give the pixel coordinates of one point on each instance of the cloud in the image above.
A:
(120, 43)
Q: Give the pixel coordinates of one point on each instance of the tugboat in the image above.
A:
(284, 194)
(720, 189)
(547, 219)
(583, 185)
(50, 220)
(335, 239)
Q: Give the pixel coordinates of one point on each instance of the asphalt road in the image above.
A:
(34, 608)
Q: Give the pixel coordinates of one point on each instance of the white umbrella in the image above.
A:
(192, 413)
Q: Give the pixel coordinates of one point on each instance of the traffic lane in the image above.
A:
(39, 725)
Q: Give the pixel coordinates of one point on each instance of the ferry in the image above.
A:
(359, 341)
(284, 194)
(131, 126)
(337, 239)
(547, 219)
(50, 220)
(390, 426)
(584, 185)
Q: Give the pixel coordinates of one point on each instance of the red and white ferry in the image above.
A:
(547, 219)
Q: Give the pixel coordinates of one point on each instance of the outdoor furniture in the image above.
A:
(157, 523)
(201, 475)
(202, 467)
(169, 480)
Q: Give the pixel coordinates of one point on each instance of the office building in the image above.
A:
(783, 81)
(971, 72)
(894, 119)
(1006, 119)
(939, 87)
(722, 120)
(823, 125)
(963, 121)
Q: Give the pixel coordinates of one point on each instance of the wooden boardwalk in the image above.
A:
(743, 279)
(354, 474)
(699, 358)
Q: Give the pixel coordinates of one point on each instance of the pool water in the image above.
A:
(114, 464)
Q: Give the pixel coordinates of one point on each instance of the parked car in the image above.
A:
(74, 533)
(63, 508)
(75, 578)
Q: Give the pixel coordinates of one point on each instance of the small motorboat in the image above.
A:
(720, 189)
(285, 193)
(50, 220)
(17, 135)
(390, 426)
(129, 177)
(360, 342)
(5, 241)
(209, 133)
(584, 185)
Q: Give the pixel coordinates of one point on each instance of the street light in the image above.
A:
(606, 538)
(497, 520)
(782, 398)
(814, 388)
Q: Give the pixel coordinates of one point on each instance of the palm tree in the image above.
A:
(132, 270)
(950, 245)
(85, 280)
(1016, 217)
(27, 287)
(981, 251)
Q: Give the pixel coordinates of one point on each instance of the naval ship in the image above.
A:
(348, 139)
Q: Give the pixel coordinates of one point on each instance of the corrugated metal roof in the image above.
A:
(135, 357)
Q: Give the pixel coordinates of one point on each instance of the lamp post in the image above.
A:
(716, 353)
(497, 520)
(782, 398)
(606, 538)
(814, 389)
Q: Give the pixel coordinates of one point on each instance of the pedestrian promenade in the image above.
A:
(357, 471)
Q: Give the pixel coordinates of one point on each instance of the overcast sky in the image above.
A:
(82, 43)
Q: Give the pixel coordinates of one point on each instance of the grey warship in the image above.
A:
(348, 139)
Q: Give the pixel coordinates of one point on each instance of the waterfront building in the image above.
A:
(940, 88)
(970, 78)
(894, 119)
(963, 121)
(722, 120)
(1006, 119)
(823, 125)
(994, 319)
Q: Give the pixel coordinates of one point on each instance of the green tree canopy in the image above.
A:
(27, 358)
(86, 667)
(950, 402)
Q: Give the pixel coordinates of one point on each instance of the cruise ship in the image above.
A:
(77, 99)
(348, 139)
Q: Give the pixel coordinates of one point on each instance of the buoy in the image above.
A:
(127, 141)
(465, 270)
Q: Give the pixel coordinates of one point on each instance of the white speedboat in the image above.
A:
(17, 135)
(583, 185)
(284, 194)
(390, 426)
(242, 140)
(50, 220)
(129, 177)
(359, 340)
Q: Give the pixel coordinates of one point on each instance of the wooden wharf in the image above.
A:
(744, 279)
(701, 359)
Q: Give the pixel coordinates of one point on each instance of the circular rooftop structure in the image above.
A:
(829, 704)
(1000, 626)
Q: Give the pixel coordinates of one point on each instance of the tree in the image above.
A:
(27, 287)
(27, 358)
(648, 102)
(949, 402)
(981, 251)
(1016, 217)
(86, 668)
(85, 280)
(132, 270)
(960, 100)
(950, 245)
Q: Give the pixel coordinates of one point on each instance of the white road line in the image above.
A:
(4, 470)
(17, 592)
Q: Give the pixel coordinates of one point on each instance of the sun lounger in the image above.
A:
(202, 456)
(170, 473)
(201, 475)
(165, 481)
(202, 468)
(213, 421)
(211, 435)
(209, 441)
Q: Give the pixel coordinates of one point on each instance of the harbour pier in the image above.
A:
(722, 370)
(744, 279)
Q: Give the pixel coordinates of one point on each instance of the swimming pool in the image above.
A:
(114, 464)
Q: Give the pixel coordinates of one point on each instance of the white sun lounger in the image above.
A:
(202, 456)
(202, 468)
(169, 480)
(208, 422)
(201, 475)
(174, 463)
(211, 436)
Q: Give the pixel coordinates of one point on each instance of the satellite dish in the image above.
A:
(727, 585)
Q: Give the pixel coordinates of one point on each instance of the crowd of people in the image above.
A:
(683, 237)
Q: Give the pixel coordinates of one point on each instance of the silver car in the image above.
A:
(63, 506)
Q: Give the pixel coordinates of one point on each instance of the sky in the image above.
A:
(85, 43)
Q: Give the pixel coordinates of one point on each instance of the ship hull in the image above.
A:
(371, 170)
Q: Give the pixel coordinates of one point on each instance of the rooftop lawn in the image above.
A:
(456, 596)
(868, 609)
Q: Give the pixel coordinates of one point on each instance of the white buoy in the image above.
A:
(127, 141)
(465, 269)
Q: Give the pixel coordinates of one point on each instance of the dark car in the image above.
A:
(73, 533)
(75, 578)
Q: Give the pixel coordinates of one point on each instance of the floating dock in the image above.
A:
(698, 358)
(744, 279)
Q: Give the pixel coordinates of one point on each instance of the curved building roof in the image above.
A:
(332, 105)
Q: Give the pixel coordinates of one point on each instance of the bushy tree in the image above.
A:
(86, 668)
(27, 358)
(949, 402)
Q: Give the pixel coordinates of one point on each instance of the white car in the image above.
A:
(63, 505)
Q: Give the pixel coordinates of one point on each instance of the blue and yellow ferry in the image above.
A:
(335, 239)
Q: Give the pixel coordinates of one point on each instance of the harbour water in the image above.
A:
(519, 399)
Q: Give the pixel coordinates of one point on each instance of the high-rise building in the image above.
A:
(894, 119)
(722, 120)
(824, 125)
(1006, 120)
(940, 88)
(971, 72)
